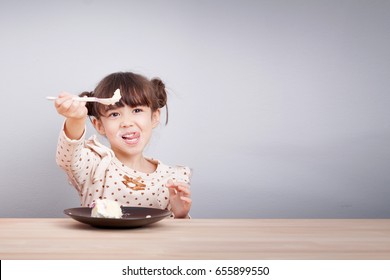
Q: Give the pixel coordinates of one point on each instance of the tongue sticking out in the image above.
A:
(128, 136)
(131, 137)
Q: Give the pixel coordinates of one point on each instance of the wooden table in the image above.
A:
(198, 239)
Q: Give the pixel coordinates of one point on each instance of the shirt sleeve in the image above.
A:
(183, 174)
(76, 160)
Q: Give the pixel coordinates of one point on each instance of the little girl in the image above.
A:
(120, 173)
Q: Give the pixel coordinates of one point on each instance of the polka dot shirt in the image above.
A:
(96, 173)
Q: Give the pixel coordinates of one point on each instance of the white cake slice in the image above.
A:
(104, 208)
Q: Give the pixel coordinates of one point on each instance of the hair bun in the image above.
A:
(159, 89)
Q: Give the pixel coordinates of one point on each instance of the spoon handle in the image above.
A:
(88, 99)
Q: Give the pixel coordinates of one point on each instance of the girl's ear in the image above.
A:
(98, 126)
(156, 118)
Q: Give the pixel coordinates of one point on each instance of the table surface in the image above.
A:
(301, 239)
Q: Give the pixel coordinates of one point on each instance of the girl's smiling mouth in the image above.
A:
(131, 138)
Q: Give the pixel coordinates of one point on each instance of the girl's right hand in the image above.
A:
(69, 108)
(75, 113)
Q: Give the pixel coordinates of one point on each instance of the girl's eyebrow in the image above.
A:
(137, 106)
(111, 108)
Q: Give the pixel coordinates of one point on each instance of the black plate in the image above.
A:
(132, 217)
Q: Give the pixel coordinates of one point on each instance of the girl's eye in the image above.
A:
(137, 110)
(113, 114)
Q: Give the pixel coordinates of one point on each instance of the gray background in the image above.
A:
(280, 107)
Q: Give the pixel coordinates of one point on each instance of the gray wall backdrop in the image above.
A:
(280, 107)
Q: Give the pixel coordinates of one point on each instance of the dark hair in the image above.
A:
(136, 90)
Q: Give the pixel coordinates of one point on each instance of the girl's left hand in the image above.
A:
(179, 197)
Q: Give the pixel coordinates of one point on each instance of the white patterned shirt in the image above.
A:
(96, 173)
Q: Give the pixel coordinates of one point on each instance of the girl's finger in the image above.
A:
(172, 191)
(180, 183)
(180, 189)
(186, 199)
(184, 190)
(169, 183)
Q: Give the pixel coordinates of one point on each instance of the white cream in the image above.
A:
(116, 97)
(105, 208)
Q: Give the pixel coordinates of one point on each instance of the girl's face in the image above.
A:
(128, 129)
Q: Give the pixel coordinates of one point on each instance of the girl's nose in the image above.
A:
(126, 123)
(126, 119)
